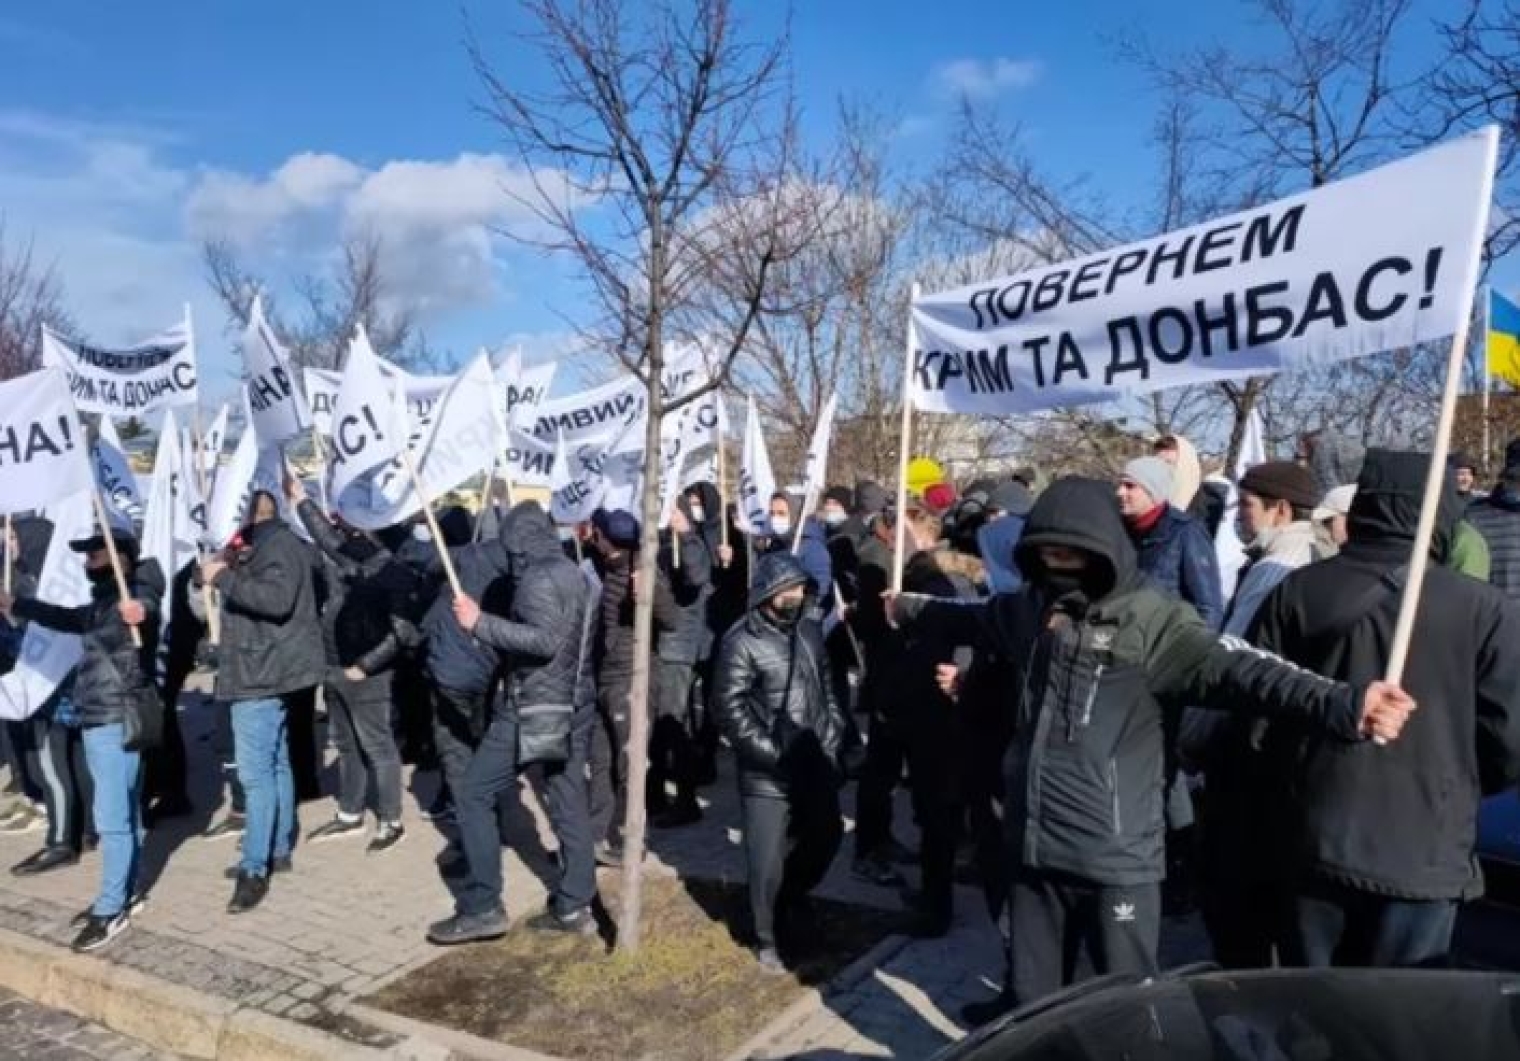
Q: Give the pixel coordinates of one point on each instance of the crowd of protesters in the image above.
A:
(1093, 719)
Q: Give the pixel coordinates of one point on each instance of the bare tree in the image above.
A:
(328, 307)
(31, 295)
(663, 158)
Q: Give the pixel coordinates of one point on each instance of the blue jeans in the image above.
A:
(263, 767)
(117, 776)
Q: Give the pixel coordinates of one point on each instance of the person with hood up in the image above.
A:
(704, 505)
(1100, 664)
(117, 708)
(271, 652)
(1497, 518)
(542, 641)
(1007, 506)
(687, 569)
(813, 553)
(1173, 549)
(775, 705)
(364, 630)
(1191, 492)
(1384, 839)
(1240, 865)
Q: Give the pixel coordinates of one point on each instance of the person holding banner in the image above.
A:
(1101, 663)
(1381, 840)
(118, 710)
(271, 652)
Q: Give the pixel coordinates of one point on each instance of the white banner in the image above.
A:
(523, 389)
(44, 455)
(817, 465)
(279, 412)
(368, 423)
(756, 481)
(47, 656)
(322, 386)
(589, 475)
(215, 438)
(133, 381)
(227, 509)
(459, 433)
(113, 473)
(170, 530)
(1375, 262)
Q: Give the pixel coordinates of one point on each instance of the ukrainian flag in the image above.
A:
(1503, 338)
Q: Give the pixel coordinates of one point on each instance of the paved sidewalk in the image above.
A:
(29, 1032)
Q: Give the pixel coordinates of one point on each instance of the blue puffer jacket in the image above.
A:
(1177, 555)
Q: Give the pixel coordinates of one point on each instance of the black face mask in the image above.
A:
(99, 576)
(1058, 585)
(786, 613)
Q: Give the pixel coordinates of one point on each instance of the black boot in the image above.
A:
(48, 858)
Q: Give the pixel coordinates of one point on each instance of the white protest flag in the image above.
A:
(1227, 545)
(368, 425)
(420, 392)
(321, 389)
(132, 381)
(214, 439)
(47, 656)
(756, 481)
(817, 467)
(169, 535)
(278, 412)
(1375, 262)
(44, 456)
(462, 428)
(523, 389)
(227, 507)
(113, 473)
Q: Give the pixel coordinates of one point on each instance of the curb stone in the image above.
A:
(460, 1043)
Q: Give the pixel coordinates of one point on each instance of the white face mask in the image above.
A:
(834, 517)
(698, 513)
(781, 525)
(421, 533)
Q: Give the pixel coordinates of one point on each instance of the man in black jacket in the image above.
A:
(614, 537)
(1101, 663)
(1384, 836)
(113, 689)
(774, 703)
(364, 632)
(541, 641)
(271, 651)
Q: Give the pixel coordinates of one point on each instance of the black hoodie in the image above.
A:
(1098, 679)
(1399, 820)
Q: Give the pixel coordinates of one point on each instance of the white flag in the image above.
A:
(214, 439)
(523, 389)
(44, 456)
(460, 430)
(113, 473)
(226, 512)
(47, 656)
(278, 412)
(368, 425)
(170, 532)
(128, 382)
(756, 481)
(1227, 547)
(1379, 261)
(816, 477)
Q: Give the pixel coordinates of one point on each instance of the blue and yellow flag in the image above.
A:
(1503, 338)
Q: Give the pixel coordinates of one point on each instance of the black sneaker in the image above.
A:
(468, 928)
(336, 829)
(247, 893)
(135, 906)
(230, 826)
(386, 837)
(580, 923)
(42, 861)
(98, 931)
(276, 865)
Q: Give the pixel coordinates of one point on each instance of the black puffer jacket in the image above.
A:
(1399, 820)
(1098, 681)
(541, 636)
(365, 620)
(111, 670)
(772, 697)
(271, 632)
(1497, 518)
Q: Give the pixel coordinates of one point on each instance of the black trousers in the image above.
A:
(164, 766)
(789, 845)
(301, 735)
(938, 806)
(673, 752)
(1063, 925)
(1332, 924)
(566, 797)
(879, 777)
(55, 755)
(609, 759)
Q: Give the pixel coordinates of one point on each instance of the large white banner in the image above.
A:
(523, 389)
(133, 381)
(368, 420)
(1375, 262)
(279, 412)
(420, 392)
(226, 509)
(44, 455)
(756, 481)
(816, 472)
(113, 473)
(448, 446)
(47, 656)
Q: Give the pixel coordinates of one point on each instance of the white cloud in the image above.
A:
(984, 78)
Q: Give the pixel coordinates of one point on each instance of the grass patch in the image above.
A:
(693, 993)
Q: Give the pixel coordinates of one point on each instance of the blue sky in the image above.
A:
(131, 131)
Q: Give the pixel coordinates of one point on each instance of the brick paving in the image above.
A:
(34, 1033)
(344, 922)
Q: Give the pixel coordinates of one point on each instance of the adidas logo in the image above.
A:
(1124, 912)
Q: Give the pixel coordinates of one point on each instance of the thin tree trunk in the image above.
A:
(1245, 405)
